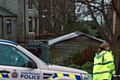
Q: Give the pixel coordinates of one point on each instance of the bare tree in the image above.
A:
(106, 11)
(59, 15)
(44, 11)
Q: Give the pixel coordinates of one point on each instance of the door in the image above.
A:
(15, 65)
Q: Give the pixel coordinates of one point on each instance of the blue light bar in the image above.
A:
(8, 41)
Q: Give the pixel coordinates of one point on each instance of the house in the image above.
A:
(6, 18)
(18, 19)
(69, 43)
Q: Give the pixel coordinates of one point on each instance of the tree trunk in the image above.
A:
(117, 39)
(117, 43)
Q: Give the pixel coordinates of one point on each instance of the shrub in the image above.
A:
(74, 66)
(78, 58)
(88, 66)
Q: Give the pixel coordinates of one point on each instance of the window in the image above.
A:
(30, 4)
(30, 24)
(8, 23)
(11, 56)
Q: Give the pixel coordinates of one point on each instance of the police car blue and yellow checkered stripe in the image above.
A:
(73, 76)
(4, 75)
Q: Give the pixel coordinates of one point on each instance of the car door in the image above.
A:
(15, 65)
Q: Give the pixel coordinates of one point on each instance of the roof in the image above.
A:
(70, 36)
(8, 41)
(5, 12)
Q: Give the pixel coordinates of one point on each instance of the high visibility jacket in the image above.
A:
(114, 64)
(103, 66)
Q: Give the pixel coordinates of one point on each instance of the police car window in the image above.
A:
(11, 56)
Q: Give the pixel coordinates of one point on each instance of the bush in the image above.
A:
(74, 66)
(88, 66)
(78, 58)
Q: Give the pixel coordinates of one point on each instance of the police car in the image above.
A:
(17, 63)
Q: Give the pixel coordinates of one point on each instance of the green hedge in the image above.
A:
(88, 66)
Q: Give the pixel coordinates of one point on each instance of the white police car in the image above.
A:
(16, 63)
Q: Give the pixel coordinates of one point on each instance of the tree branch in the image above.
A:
(106, 20)
(98, 26)
(114, 6)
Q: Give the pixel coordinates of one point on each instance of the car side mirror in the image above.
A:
(32, 64)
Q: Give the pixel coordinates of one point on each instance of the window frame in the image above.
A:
(30, 20)
(9, 25)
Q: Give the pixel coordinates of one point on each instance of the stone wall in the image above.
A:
(12, 35)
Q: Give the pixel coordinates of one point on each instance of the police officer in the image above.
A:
(104, 66)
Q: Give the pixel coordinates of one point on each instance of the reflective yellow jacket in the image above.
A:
(104, 66)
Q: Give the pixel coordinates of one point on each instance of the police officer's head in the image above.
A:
(105, 46)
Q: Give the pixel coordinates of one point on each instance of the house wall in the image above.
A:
(12, 35)
(3, 28)
(34, 14)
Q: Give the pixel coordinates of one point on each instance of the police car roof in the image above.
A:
(8, 41)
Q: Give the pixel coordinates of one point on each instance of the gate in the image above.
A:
(45, 53)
